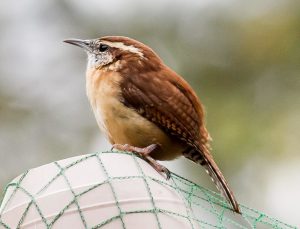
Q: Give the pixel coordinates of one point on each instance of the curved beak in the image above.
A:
(85, 44)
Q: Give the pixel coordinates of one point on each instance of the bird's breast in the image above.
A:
(121, 124)
(103, 93)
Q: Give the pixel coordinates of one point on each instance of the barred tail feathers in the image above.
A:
(221, 184)
(203, 157)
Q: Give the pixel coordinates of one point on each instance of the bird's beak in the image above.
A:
(85, 44)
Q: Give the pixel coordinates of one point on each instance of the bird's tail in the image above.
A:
(204, 158)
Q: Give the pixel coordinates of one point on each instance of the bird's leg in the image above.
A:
(145, 154)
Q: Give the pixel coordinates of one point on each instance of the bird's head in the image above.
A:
(117, 53)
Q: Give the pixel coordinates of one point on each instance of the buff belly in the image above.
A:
(123, 125)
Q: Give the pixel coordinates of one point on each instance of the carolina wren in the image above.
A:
(143, 106)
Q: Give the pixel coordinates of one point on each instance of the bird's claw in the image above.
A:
(166, 172)
(144, 153)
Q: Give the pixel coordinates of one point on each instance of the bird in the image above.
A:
(143, 106)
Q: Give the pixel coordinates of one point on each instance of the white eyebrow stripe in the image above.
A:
(121, 45)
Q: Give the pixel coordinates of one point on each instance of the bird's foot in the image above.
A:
(145, 154)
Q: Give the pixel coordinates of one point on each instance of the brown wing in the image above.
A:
(167, 100)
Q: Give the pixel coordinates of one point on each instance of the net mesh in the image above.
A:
(204, 208)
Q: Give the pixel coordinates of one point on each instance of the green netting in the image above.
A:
(205, 207)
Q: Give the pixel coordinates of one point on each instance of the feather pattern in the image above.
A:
(167, 100)
(170, 109)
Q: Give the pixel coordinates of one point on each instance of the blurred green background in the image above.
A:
(242, 58)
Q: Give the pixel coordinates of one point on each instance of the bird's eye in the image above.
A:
(103, 47)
